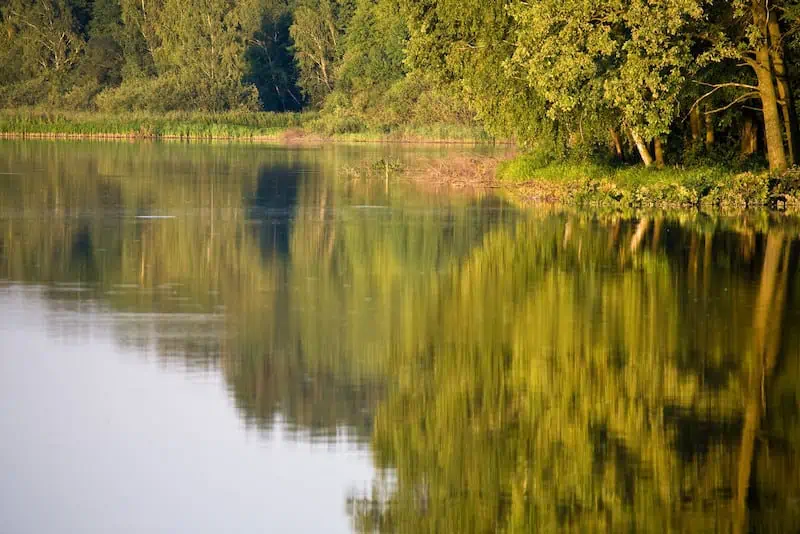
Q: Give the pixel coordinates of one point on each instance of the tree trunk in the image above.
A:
(773, 129)
(710, 134)
(616, 143)
(694, 123)
(641, 146)
(658, 148)
(749, 142)
(784, 90)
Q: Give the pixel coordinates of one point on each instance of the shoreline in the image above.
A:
(283, 137)
(255, 127)
(596, 187)
(519, 178)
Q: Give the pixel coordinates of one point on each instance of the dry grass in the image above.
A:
(457, 171)
(299, 136)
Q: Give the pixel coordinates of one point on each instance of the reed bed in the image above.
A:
(177, 125)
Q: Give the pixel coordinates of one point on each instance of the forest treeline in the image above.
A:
(674, 80)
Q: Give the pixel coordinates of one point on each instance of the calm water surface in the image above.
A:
(232, 338)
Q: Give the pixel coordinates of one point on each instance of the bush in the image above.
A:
(28, 93)
(333, 124)
(745, 190)
(81, 97)
(170, 92)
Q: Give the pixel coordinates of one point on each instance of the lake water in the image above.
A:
(233, 338)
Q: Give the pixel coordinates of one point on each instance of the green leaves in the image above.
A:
(607, 54)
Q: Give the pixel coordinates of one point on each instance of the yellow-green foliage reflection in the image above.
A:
(512, 371)
(590, 375)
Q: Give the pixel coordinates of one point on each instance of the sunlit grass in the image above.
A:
(227, 125)
(635, 185)
(234, 125)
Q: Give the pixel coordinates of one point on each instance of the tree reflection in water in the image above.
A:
(510, 370)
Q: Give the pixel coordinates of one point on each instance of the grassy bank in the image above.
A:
(253, 126)
(232, 125)
(638, 187)
(525, 181)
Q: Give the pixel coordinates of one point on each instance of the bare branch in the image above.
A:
(727, 84)
(741, 98)
(716, 87)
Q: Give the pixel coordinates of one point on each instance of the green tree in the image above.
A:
(610, 55)
(270, 64)
(316, 32)
(48, 36)
(749, 33)
(464, 45)
(104, 51)
(204, 47)
(373, 50)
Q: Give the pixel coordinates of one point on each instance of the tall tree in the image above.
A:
(608, 54)
(317, 31)
(270, 64)
(747, 33)
(48, 34)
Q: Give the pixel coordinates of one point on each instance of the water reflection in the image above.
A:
(600, 374)
(510, 371)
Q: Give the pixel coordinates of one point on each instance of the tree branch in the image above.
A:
(741, 98)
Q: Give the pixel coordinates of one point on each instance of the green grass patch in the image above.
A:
(230, 125)
(535, 178)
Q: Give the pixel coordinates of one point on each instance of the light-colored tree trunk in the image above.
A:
(773, 127)
(695, 123)
(710, 133)
(658, 148)
(749, 141)
(784, 89)
(641, 146)
(616, 143)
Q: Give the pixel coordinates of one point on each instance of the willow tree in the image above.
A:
(608, 54)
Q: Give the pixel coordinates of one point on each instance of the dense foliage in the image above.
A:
(346, 56)
(627, 80)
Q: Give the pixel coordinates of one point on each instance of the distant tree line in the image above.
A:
(217, 55)
(154, 55)
(633, 79)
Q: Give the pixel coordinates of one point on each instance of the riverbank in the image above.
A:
(639, 187)
(524, 181)
(301, 127)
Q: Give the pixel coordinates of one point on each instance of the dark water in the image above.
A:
(222, 338)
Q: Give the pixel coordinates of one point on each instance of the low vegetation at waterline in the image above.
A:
(231, 125)
(239, 125)
(528, 181)
(641, 187)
